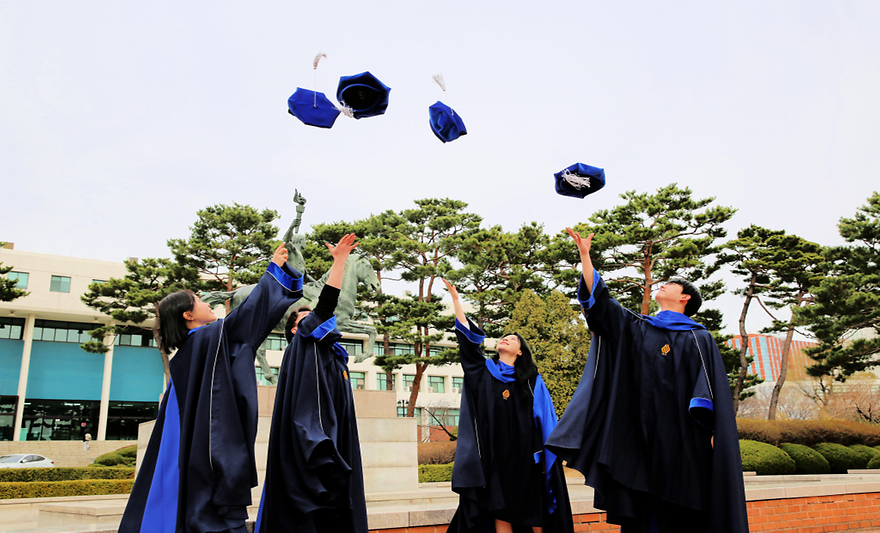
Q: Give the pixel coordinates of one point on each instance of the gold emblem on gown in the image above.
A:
(505, 394)
(345, 374)
(665, 349)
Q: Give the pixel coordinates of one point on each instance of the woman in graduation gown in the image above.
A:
(506, 480)
(199, 467)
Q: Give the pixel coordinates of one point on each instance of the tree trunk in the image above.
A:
(649, 282)
(783, 364)
(414, 393)
(744, 344)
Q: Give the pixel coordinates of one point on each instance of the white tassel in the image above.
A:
(321, 55)
(576, 181)
(438, 78)
(345, 110)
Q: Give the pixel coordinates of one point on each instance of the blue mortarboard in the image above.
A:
(579, 180)
(364, 94)
(446, 123)
(312, 108)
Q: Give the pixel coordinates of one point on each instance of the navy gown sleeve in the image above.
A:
(604, 314)
(247, 323)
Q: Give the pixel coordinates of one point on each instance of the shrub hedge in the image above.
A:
(808, 432)
(765, 459)
(49, 489)
(435, 473)
(122, 457)
(875, 462)
(806, 459)
(840, 458)
(436, 453)
(865, 451)
(23, 475)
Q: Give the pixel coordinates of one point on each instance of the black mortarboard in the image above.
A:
(446, 123)
(364, 94)
(579, 180)
(312, 108)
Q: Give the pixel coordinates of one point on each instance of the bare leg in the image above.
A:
(537, 529)
(503, 527)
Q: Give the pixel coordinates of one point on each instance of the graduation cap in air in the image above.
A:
(364, 94)
(579, 180)
(445, 122)
(311, 107)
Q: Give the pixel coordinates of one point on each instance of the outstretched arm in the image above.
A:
(583, 244)
(456, 303)
(340, 254)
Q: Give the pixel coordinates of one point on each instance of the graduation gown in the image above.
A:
(639, 426)
(314, 478)
(199, 468)
(502, 470)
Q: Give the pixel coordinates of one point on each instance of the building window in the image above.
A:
(408, 380)
(60, 419)
(417, 414)
(354, 348)
(123, 419)
(457, 385)
(59, 284)
(55, 331)
(99, 281)
(276, 341)
(383, 383)
(261, 376)
(358, 380)
(7, 416)
(445, 417)
(12, 329)
(436, 384)
(136, 337)
(20, 277)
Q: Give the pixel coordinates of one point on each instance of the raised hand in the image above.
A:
(343, 249)
(451, 288)
(280, 255)
(582, 243)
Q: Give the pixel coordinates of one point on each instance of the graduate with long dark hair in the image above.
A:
(199, 467)
(506, 480)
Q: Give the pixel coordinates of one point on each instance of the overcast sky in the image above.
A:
(119, 120)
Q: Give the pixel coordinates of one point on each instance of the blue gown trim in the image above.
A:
(260, 511)
(160, 511)
(326, 327)
(501, 371)
(475, 338)
(702, 411)
(545, 416)
(290, 283)
(582, 286)
(340, 352)
(673, 321)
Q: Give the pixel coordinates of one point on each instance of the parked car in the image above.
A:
(25, 460)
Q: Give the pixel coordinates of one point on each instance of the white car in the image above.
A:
(25, 460)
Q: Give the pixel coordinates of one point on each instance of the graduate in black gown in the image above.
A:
(506, 480)
(314, 478)
(199, 468)
(651, 425)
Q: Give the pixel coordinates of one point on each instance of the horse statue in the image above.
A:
(358, 270)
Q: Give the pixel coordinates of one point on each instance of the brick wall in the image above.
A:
(817, 514)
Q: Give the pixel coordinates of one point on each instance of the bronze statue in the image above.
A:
(357, 270)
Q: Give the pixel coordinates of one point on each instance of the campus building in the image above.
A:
(51, 389)
(767, 353)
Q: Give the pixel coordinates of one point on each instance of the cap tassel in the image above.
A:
(318, 58)
(576, 181)
(344, 109)
(438, 79)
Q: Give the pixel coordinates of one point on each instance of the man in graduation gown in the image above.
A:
(199, 466)
(651, 425)
(314, 478)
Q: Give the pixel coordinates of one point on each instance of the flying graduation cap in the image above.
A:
(579, 180)
(311, 107)
(445, 122)
(364, 94)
